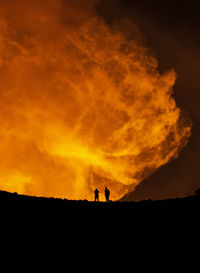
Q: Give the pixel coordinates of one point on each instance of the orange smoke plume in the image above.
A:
(80, 105)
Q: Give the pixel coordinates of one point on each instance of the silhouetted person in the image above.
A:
(107, 194)
(96, 195)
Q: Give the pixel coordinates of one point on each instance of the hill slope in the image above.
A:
(15, 200)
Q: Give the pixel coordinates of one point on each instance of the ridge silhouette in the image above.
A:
(186, 203)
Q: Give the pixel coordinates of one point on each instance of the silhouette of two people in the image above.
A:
(96, 194)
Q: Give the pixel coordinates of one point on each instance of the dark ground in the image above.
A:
(146, 236)
(187, 207)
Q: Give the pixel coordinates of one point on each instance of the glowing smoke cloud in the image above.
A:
(80, 106)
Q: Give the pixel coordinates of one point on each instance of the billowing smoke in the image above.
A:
(80, 105)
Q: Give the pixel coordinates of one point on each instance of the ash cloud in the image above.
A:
(35, 93)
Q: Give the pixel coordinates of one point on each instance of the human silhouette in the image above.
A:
(107, 194)
(96, 195)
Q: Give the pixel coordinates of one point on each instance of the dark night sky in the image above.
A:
(172, 30)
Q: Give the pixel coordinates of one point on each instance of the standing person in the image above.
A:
(107, 194)
(96, 195)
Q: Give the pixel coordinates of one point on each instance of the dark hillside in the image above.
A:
(177, 207)
(164, 232)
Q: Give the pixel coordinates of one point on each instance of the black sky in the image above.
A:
(172, 30)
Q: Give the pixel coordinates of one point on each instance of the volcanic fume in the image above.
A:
(81, 106)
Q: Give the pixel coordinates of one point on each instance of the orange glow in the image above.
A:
(80, 106)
